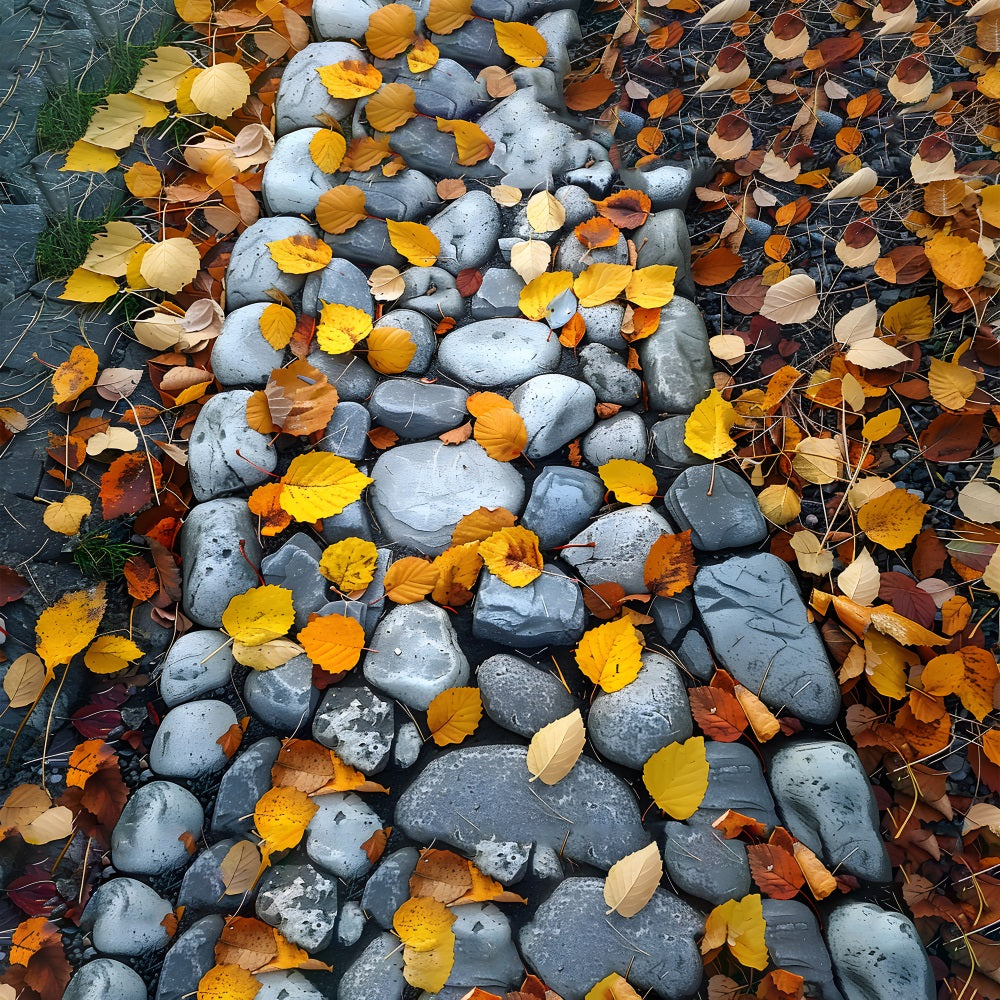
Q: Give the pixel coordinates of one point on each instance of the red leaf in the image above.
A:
(13, 586)
(127, 486)
(467, 281)
(951, 437)
(907, 598)
(718, 713)
(775, 871)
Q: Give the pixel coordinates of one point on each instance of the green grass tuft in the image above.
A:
(65, 242)
(100, 556)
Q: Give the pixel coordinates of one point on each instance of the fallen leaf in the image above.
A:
(75, 375)
(512, 555)
(349, 564)
(523, 43)
(454, 714)
(893, 519)
(227, 982)
(740, 924)
(259, 615)
(65, 516)
(221, 89)
(610, 655)
(631, 882)
(333, 642)
(171, 264)
(670, 567)
(300, 254)
(706, 431)
(555, 748)
(319, 484)
(631, 482)
(69, 625)
(409, 580)
(414, 241)
(350, 78)
(280, 817)
(676, 777)
(109, 654)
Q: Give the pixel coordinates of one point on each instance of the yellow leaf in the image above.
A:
(740, 924)
(422, 56)
(651, 287)
(951, 385)
(612, 987)
(409, 580)
(86, 286)
(69, 625)
(143, 180)
(429, 970)
(544, 212)
(277, 324)
(454, 714)
(457, 569)
(472, 144)
(259, 615)
(394, 105)
(955, 261)
(445, 16)
(521, 42)
(171, 264)
(631, 482)
(267, 655)
(154, 112)
(502, 434)
(555, 748)
(319, 485)
(601, 283)
(423, 923)
(333, 642)
(676, 776)
(75, 375)
(327, 148)
(390, 30)
(886, 664)
(110, 653)
(610, 655)
(161, 74)
(512, 554)
(228, 982)
(280, 818)
(911, 318)
(85, 156)
(414, 241)
(350, 78)
(194, 11)
(538, 294)
(115, 125)
(111, 250)
(341, 328)
(971, 673)
(706, 431)
(881, 424)
(300, 254)
(133, 275)
(818, 460)
(341, 208)
(893, 519)
(632, 881)
(390, 349)
(779, 504)
(349, 564)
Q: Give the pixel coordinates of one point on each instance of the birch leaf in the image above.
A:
(555, 748)
(632, 881)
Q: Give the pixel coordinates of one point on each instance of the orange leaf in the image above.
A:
(716, 267)
(129, 484)
(257, 947)
(512, 554)
(392, 106)
(390, 30)
(472, 144)
(445, 16)
(480, 403)
(481, 523)
(390, 349)
(350, 78)
(775, 871)
(300, 400)
(340, 208)
(409, 580)
(316, 770)
(717, 713)
(333, 642)
(454, 714)
(502, 434)
(585, 95)
(75, 375)
(457, 568)
(626, 209)
(670, 566)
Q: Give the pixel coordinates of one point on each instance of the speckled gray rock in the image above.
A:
(415, 655)
(657, 946)
(357, 724)
(667, 184)
(604, 326)
(421, 491)
(198, 662)
(300, 902)
(105, 979)
(389, 886)
(628, 726)
(718, 506)
(351, 924)
(669, 447)
(504, 860)
(521, 696)
(485, 955)
(676, 362)
(498, 295)
(376, 974)
(421, 332)
(186, 743)
(549, 611)
(467, 229)
(562, 501)
(701, 862)
(341, 824)
(292, 183)
(794, 941)
(354, 378)
(242, 785)
(240, 354)
(286, 985)
(342, 19)
(499, 352)
(414, 409)
(756, 623)
(191, 955)
(555, 409)
(606, 373)
(621, 542)
(203, 889)
(663, 239)
(620, 436)
(878, 955)
(302, 95)
(295, 566)
(146, 839)
(826, 801)
(283, 697)
(735, 781)
(124, 917)
(341, 282)
(409, 743)
(221, 431)
(252, 270)
(346, 434)
(589, 816)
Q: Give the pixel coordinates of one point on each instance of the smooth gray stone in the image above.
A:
(409, 743)
(198, 662)
(498, 295)
(757, 626)
(342, 19)
(292, 183)
(421, 332)
(341, 824)
(521, 696)
(283, 697)
(676, 362)
(702, 863)
(346, 434)
(446, 90)
(20, 226)
(367, 244)
(302, 96)
(421, 491)
(499, 352)
(252, 271)
(300, 902)
(352, 522)
(620, 436)
(663, 239)
(622, 540)
(467, 228)
(549, 611)
(671, 615)
(474, 43)
(92, 195)
(562, 501)
(351, 924)
(295, 566)
(657, 946)
(605, 372)
(668, 184)
(340, 282)
(555, 409)
(578, 204)
(604, 326)
(286, 985)
(124, 917)
(186, 744)
(485, 955)
(389, 886)
(718, 506)
(414, 409)
(403, 197)
(416, 655)
(353, 378)
(825, 799)
(590, 816)
(669, 447)
(203, 889)
(242, 785)
(628, 726)
(191, 955)
(735, 781)
(240, 354)
(694, 653)
(219, 432)
(878, 955)
(792, 936)
(105, 979)
(357, 724)
(561, 30)
(376, 974)
(574, 256)
(432, 291)
(146, 839)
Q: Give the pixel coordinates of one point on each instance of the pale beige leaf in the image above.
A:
(24, 680)
(724, 12)
(980, 502)
(545, 212)
(727, 347)
(982, 814)
(632, 881)
(171, 264)
(220, 89)
(555, 748)
(873, 353)
(530, 258)
(240, 868)
(860, 581)
(54, 824)
(858, 184)
(858, 324)
(792, 300)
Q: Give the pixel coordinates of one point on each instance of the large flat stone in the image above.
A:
(498, 352)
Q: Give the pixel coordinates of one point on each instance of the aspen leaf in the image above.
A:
(886, 664)
(971, 673)
(670, 566)
(858, 324)
(340, 208)
(54, 824)
(393, 105)
(529, 258)
(481, 403)
(818, 460)
(631, 482)
(810, 554)
(457, 569)
(429, 970)
(341, 328)
(873, 353)
(390, 30)
(220, 89)
(423, 55)
(170, 264)
(892, 520)
(299, 398)
(880, 425)
(951, 385)
(390, 349)
(24, 681)
(545, 213)
(69, 625)
(512, 554)
(228, 982)
(277, 324)
(333, 642)
(454, 714)
(538, 294)
(409, 580)
(327, 148)
(85, 157)
(793, 300)
(414, 241)
(386, 283)
(631, 882)
(319, 485)
(706, 431)
(978, 501)
(481, 523)
(280, 818)
(779, 504)
(161, 74)
(502, 434)
(349, 564)
(75, 375)
(555, 748)
(300, 254)
(86, 286)
(424, 926)
(740, 924)
(350, 78)
(143, 180)
(111, 249)
(911, 318)
(316, 770)
(258, 947)
(110, 653)
(521, 42)
(651, 287)
(955, 261)
(259, 615)
(599, 232)
(610, 655)
(472, 144)
(267, 655)
(585, 95)
(504, 194)
(445, 16)
(116, 124)
(676, 777)
(601, 283)
(861, 580)
(240, 868)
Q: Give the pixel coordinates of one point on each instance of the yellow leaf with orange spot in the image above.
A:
(457, 569)
(300, 254)
(512, 555)
(350, 78)
(610, 655)
(422, 56)
(75, 375)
